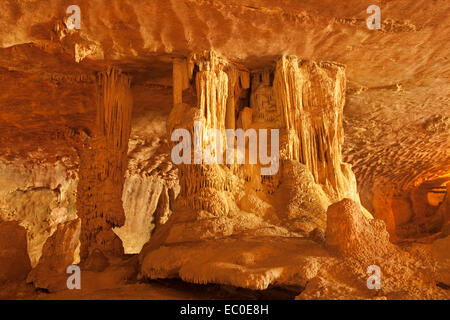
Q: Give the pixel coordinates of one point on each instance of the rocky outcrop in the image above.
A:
(63, 154)
(14, 261)
(244, 261)
(350, 233)
(304, 101)
(319, 270)
(61, 250)
(363, 246)
(150, 189)
(38, 197)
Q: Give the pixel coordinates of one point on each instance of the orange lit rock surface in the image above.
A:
(14, 260)
(103, 162)
(60, 250)
(86, 170)
(350, 233)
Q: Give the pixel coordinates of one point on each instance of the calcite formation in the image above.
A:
(350, 233)
(39, 197)
(253, 144)
(304, 100)
(103, 162)
(151, 186)
(309, 99)
(60, 251)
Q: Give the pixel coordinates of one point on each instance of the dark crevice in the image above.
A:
(219, 292)
(443, 285)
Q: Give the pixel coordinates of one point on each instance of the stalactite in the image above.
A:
(218, 86)
(103, 163)
(304, 100)
(180, 80)
(310, 97)
(212, 91)
(230, 117)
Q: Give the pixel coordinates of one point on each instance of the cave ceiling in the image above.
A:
(396, 117)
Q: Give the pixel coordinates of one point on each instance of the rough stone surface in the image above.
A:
(60, 250)
(363, 115)
(350, 233)
(14, 260)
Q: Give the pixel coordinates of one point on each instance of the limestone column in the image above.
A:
(180, 80)
(103, 163)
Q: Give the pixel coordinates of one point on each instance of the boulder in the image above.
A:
(60, 251)
(14, 260)
(349, 232)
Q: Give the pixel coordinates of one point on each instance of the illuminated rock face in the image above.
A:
(60, 250)
(103, 162)
(151, 186)
(350, 233)
(396, 121)
(304, 101)
(39, 197)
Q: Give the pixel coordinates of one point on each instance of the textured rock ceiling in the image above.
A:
(78, 170)
(396, 115)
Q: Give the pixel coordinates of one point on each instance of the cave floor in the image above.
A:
(172, 289)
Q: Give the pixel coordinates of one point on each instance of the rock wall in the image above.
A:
(303, 100)
(42, 197)
(222, 200)
(38, 197)
(150, 188)
(14, 261)
(61, 250)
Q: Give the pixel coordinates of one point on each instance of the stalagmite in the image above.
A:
(235, 171)
(213, 107)
(60, 251)
(304, 101)
(103, 163)
(230, 116)
(180, 80)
